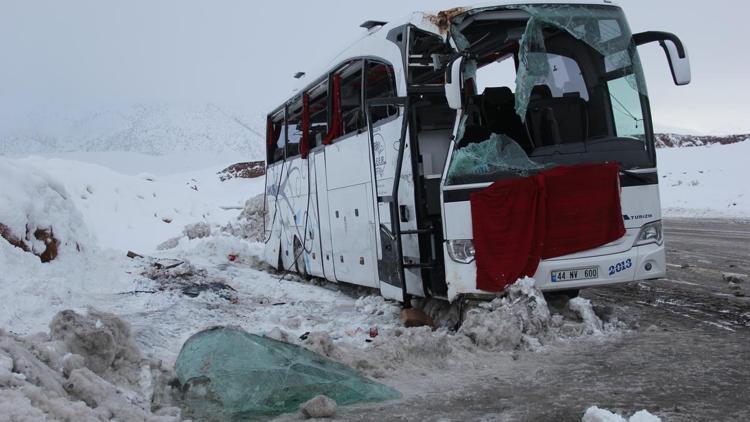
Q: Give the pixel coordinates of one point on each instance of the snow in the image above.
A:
(595, 414)
(108, 211)
(128, 212)
(705, 181)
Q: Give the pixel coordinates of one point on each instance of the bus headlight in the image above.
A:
(650, 233)
(461, 250)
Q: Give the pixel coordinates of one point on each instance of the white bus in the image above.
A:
(376, 164)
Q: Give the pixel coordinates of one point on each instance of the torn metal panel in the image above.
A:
(444, 18)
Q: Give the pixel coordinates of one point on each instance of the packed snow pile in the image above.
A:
(520, 321)
(37, 214)
(126, 212)
(595, 414)
(706, 181)
(86, 369)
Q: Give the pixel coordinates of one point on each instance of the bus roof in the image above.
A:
(430, 21)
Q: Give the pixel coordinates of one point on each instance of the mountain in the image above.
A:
(155, 129)
(672, 140)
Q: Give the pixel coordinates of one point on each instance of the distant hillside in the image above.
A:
(149, 129)
(671, 140)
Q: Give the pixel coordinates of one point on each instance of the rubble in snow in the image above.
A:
(249, 225)
(86, 369)
(182, 276)
(519, 321)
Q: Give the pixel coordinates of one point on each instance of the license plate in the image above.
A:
(573, 274)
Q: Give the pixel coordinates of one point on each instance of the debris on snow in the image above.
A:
(177, 275)
(595, 414)
(86, 369)
(228, 373)
(319, 407)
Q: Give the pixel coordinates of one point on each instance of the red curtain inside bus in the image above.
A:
(304, 144)
(335, 129)
(518, 222)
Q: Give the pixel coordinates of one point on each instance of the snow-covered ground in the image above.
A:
(707, 181)
(106, 205)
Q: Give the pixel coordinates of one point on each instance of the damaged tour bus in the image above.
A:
(449, 154)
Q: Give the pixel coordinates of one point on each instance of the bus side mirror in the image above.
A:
(453, 83)
(677, 56)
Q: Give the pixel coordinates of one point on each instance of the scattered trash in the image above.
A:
(373, 332)
(228, 374)
(232, 257)
(304, 336)
(182, 276)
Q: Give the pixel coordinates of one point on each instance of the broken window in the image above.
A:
(422, 46)
(563, 82)
(490, 160)
(275, 138)
(228, 374)
(380, 83)
(294, 128)
(601, 28)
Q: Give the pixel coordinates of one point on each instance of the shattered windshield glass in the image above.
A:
(562, 82)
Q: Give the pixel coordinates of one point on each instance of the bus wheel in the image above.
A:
(299, 260)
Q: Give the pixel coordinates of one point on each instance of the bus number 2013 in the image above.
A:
(620, 266)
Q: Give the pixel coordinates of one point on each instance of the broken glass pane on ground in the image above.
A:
(226, 373)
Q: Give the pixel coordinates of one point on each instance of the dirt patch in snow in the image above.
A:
(86, 369)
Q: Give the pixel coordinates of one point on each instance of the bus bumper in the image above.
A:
(637, 263)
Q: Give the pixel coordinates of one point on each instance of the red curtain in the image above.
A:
(518, 222)
(304, 144)
(335, 130)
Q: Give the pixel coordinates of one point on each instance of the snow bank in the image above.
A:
(595, 414)
(707, 181)
(127, 212)
(31, 202)
(86, 369)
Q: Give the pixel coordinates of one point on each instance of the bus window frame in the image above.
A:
(394, 87)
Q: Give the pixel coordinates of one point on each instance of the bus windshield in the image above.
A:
(549, 85)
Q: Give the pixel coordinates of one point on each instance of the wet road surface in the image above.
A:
(685, 358)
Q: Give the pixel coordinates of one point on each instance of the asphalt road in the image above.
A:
(686, 358)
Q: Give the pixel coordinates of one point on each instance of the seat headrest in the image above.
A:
(539, 92)
(498, 95)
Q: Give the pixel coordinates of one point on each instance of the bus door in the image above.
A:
(393, 177)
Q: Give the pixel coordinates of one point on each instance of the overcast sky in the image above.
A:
(242, 54)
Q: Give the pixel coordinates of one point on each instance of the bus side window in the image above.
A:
(275, 138)
(380, 83)
(352, 116)
(318, 113)
(294, 128)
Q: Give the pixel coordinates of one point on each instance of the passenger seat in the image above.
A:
(556, 120)
(499, 113)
